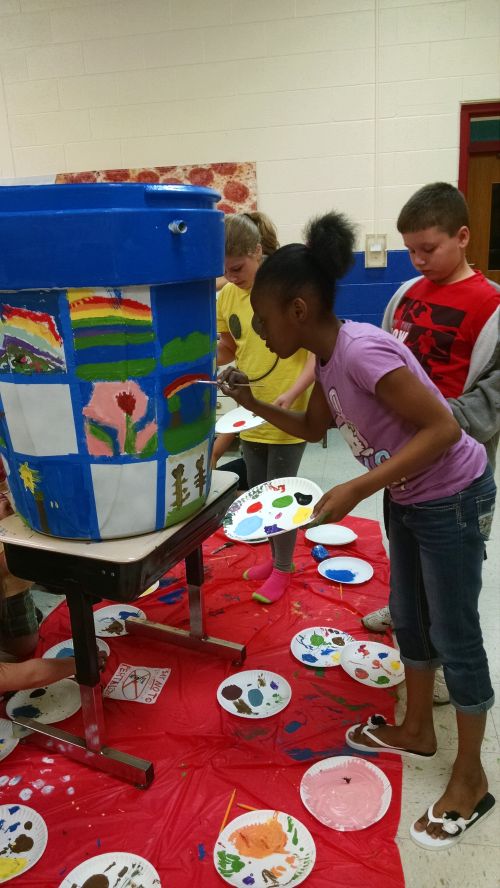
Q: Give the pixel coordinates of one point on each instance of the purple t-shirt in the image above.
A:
(363, 354)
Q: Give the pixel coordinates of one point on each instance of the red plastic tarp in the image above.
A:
(201, 752)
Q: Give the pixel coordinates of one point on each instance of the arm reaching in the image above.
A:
(436, 431)
(302, 382)
(226, 349)
(38, 673)
(310, 426)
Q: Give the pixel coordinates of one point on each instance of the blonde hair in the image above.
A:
(245, 231)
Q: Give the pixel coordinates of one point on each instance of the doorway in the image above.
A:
(479, 181)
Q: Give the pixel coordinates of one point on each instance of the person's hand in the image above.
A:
(235, 384)
(5, 506)
(335, 504)
(284, 401)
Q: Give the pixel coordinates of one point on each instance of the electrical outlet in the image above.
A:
(376, 251)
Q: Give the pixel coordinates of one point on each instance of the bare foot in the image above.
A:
(462, 795)
(399, 737)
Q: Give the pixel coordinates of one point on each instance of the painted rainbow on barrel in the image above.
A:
(183, 382)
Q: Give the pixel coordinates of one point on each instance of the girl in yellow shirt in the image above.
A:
(268, 452)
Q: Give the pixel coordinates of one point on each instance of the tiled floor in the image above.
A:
(476, 860)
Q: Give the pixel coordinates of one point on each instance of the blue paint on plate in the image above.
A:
(341, 576)
(248, 525)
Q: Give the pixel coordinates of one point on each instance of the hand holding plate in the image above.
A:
(335, 504)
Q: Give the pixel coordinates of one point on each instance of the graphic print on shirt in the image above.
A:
(234, 325)
(430, 332)
(360, 447)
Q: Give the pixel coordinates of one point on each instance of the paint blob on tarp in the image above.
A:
(341, 576)
(248, 525)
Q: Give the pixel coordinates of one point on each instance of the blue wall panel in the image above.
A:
(364, 293)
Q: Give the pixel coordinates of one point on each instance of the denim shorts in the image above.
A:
(437, 553)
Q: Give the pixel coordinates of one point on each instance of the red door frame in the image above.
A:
(468, 110)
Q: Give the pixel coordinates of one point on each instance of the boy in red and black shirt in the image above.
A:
(449, 317)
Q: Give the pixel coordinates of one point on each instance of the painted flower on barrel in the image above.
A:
(120, 419)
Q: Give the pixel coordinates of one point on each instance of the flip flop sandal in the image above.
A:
(376, 721)
(453, 824)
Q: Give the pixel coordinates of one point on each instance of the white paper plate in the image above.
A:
(256, 693)
(47, 705)
(376, 665)
(110, 621)
(262, 842)
(134, 870)
(7, 740)
(319, 645)
(271, 508)
(238, 420)
(23, 839)
(348, 571)
(346, 792)
(66, 649)
(331, 534)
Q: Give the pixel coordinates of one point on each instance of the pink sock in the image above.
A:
(259, 571)
(275, 586)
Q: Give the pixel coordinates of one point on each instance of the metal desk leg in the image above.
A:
(195, 639)
(195, 576)
(91, 750)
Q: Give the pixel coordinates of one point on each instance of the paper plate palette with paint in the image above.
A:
(264, 848)
(115, 870)
(256, 693)
(110, 622)
(331, 534)
(66, 649)
(23, 839)
(46, 705)
(7, 740)
(238, 420)
(350, 571)
(373, 664)
(272, 508)
(345, 792)
(319, 646)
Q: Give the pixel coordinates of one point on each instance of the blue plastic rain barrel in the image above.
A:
(107, 321)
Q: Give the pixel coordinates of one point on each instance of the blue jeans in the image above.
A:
(437, 552)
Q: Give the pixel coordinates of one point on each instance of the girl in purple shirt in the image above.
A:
(442, 496)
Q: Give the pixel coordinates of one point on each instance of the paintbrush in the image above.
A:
(228, 809)
(234, 385)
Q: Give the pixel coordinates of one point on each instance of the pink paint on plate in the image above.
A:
(346, 792)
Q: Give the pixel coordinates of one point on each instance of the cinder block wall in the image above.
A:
(349, 104)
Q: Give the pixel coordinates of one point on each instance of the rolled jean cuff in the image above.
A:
(476, 708)
(422, 665)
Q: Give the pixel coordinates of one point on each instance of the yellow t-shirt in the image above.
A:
(234, 316)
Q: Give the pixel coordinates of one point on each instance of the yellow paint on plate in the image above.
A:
(12, 867)
(302, 514)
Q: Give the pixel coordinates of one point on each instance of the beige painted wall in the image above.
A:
(343, 103)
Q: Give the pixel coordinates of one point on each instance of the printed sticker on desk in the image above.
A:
(141, 684)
